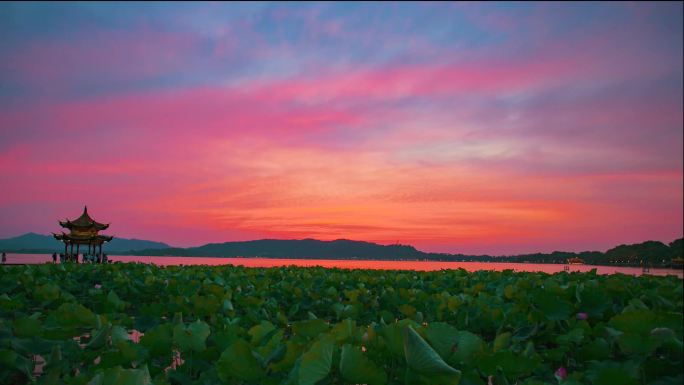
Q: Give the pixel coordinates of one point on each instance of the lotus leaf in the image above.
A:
(355, 367)
(237, 361)
(310, 328)
(420, 356)
(192, 337)
(316, 362)
(120, 376)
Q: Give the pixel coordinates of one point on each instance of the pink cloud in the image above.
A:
(239, 188)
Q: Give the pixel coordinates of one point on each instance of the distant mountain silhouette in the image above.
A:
(32, 242)
(305, 248)
(649, 253)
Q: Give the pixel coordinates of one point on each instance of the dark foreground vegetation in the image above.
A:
(138, 324)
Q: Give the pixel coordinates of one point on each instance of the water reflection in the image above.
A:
(359, 264)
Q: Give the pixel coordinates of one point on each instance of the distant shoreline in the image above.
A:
(498, 260)
(650, 254)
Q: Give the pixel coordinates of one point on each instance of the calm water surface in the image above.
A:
(357, 264)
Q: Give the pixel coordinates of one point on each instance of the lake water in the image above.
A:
(357, 264)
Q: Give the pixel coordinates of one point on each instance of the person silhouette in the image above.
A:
(4, 257)
(54, 257)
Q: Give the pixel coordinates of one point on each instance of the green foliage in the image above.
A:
(310, 328)
(120, 376)
(28, 326)
(356, 368)
(192, 337)
(316, 362)
(314, 326)
(421, 357)
(237, 361)
(74, 315)
(552, 306)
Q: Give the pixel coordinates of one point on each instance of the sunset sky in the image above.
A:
(467, 127)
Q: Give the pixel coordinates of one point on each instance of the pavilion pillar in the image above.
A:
(66, 244)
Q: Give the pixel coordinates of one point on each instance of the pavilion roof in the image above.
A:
(84, 222)
(82, 239)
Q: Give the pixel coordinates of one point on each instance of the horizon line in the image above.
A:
(371, 242)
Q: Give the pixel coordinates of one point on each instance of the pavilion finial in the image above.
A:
(85, 209)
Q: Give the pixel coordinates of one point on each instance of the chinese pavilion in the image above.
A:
(83, 231)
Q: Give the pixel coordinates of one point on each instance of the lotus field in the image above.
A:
(132, 324)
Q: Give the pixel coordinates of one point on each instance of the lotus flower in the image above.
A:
(97, 286)
(582, 316)
(561, 374)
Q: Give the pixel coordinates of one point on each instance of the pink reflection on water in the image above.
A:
(359, 264)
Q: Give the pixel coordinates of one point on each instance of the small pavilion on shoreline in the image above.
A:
(83, 231)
